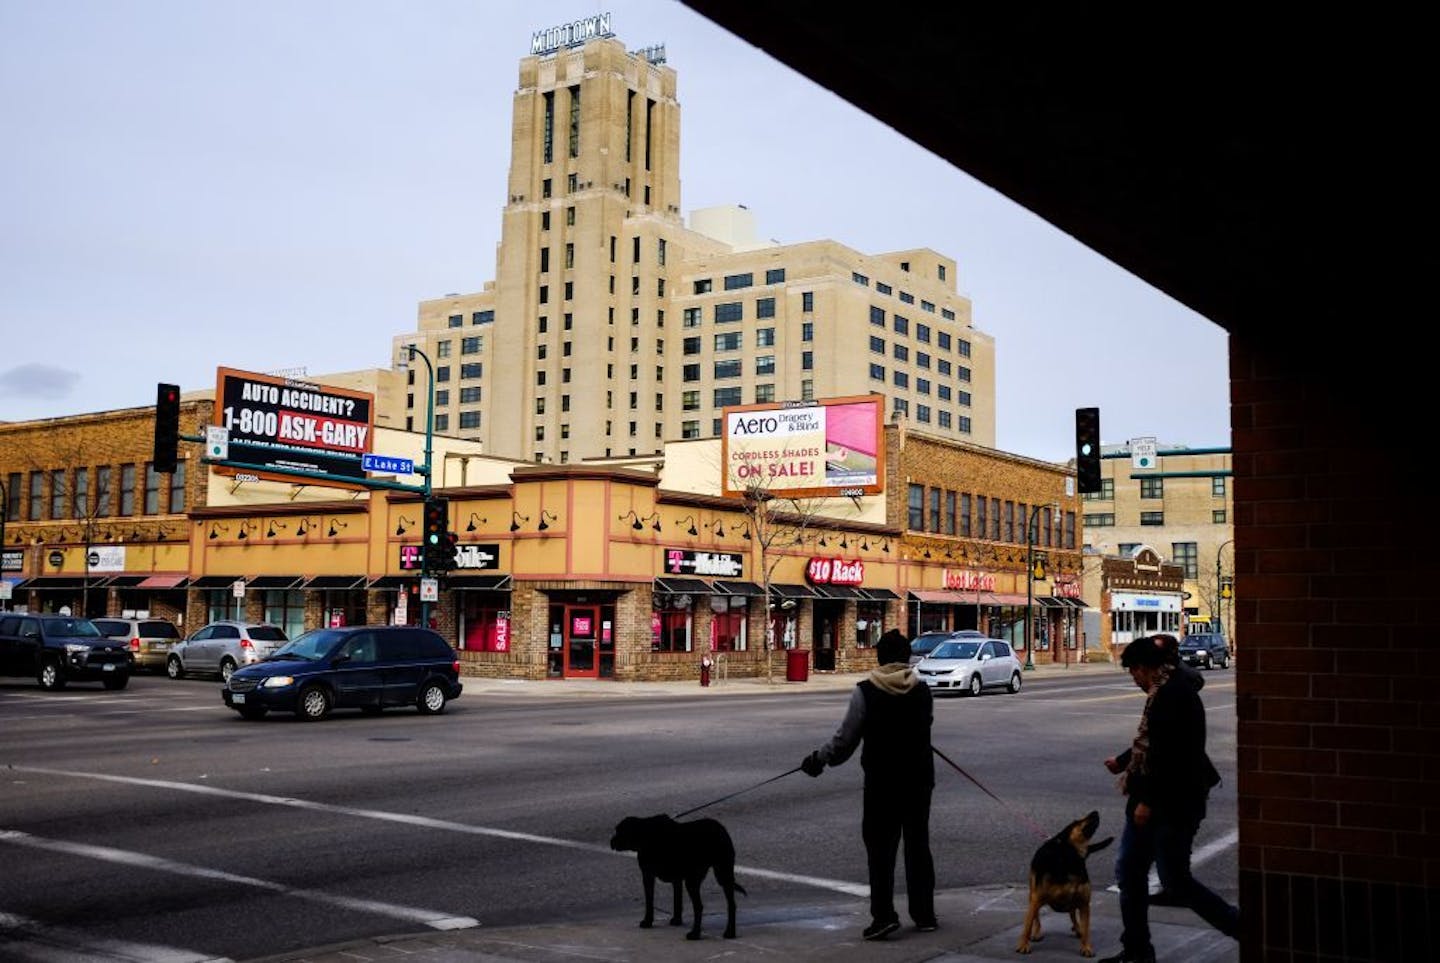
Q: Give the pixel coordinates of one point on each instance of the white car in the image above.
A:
(970, 665)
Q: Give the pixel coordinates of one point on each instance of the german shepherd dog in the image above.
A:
(680, 853)
(1059, 880)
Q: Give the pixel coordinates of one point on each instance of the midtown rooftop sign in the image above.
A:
(570, 34)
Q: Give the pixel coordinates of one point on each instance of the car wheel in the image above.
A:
(50, 676)
(975, 684)
(1014, 685)
(252, 713)
(173, 668)
(432, 698)
(314, 703)
(227, 669)
(117, 681)
(1224, 661)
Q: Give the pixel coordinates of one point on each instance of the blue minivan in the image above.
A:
(366, 667)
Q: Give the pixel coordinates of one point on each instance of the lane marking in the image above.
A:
(1197, 858)
(72, 945)
(425, 822)
(430, 918)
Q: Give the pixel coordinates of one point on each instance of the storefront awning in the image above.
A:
(682, 586)
(479, 583)
(838, 592)
(392, 583)
(747, 589)
(1050, 602)
(274, 582)
(792, 591)
(1000, 598)
(878, 594)
(43, 582)
(126, 581)
(945, 597)
(16, 581)
(336, 583)
(161, 582)
(1072, 603)
(214, 581)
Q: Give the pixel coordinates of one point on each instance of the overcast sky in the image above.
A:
(273, 184)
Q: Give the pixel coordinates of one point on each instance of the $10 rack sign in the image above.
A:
(835, 571)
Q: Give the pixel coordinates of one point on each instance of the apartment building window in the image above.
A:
(807, 390)
(1217, 516)
(1152, 518)
(765, 308)
(859, 278)
(877, 372)
(775, 276)
(1186, 554)
(995, 521)
(922, 333)
(690, 372)
(565, 376)
(442, 349)
(659, 401)
(729, 312)
(765, 364)
(982, 526)
(915, 504)
(569, 290)
(544, 324)
(564, 431)
(734, 282)
(877, 345)
(566, 348)
(564, 402)
(962, 347)
(764, 394)
(942, 340)
(634, 316)
(883, 288)
(660, 251)
(729, 341)
(690, 318)
(539, 377)
(472, 345)
(539, 406)
(470, 396)
(940, 271)
(944, 417)
(765, 338)
(456, 320)
(80, 489)
(544, 294)
(689, 401)
(902, 407)
(469, 419)
(482, 317)
(927, 306)
(690, 429)
(934, 515)
(963, 398)
(944, 368)
(807, 331)
(634, 400)
(704, 286)
(635, 250)
(962, 373)
(1152, 488)
(942, 391)
(471, 371)
(901, 324)
(539, 434)
(634, 428)
(549, 126)
(545, 190)
(922, 385)
(807, 300)
(963, 425)
(1105, 494)
(544, 220)
(690, 345)
(807, 361)
(922, 414)
(947, 314)
(1009, 526)
(634, 345)
(58, 491)
(544, 260)
(1099, 519)
(728, 369)
(949, 527)
(900, 352)
(104, 494)
(442, 398)
(575, 121)
(659, 319)
(877, 316)
(900, 379)
(177, 488)
(964, 514)
(1217, 487)
(907, 298)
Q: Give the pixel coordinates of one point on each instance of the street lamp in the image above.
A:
(1030, 580)
(1218, 595)
(424, 470)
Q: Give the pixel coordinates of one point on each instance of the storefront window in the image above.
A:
(869, 623)
(287, 610)
(674, 630)
(484, 622)
(221, 604)
(727, 626)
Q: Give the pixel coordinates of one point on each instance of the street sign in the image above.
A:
(7, 590)
(429, 590)
(237, 588)
(1142, 453)
(385, 463)
(217, 442)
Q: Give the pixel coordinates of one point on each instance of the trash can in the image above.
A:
(797, 665)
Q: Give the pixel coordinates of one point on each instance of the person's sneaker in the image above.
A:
(878, 931)
(929, 926)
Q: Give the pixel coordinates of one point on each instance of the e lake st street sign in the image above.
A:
(385, 463)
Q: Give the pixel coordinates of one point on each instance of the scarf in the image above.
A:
(1141, 746)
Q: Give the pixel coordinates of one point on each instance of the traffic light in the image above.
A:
(167, 428)
(438, 548)
(1087, 450)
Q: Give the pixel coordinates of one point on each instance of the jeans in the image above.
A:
(1165, 841)
(891, 813)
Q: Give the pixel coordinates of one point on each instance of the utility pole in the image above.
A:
(424, 470)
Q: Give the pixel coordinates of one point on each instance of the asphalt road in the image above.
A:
(155, 824)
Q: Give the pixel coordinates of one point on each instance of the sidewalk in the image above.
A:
(981, 923)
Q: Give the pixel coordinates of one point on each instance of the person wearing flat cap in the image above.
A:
(1166, 777)
(890, 712)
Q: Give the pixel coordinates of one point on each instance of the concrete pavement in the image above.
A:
(981, 923)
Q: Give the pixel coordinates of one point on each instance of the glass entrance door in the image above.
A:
(582, 637)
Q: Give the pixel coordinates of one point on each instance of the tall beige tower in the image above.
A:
(611, 326)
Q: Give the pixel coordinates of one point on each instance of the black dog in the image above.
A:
(676, 853)
(1059, 880)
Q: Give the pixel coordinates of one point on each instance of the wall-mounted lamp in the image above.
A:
(719, 530)
(216, 529)
(692, 530)
(864, 544)
(821, 541)
(17, 539)
(162, 533)
(927, 552)
(335, 526)
(515, 519)
(654, 519)
(270, 531)
(636, 522)
(400, 525)
(303, 528)
(470, 527)
(886, 547)
(61, 539)
(844, 541)
(245, 528)
(543, 516)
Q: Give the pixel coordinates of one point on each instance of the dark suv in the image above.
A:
(56, 649)
(366, 667)
(1205, 649)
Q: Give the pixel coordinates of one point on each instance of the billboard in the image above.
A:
(832, 447)
(279, 424)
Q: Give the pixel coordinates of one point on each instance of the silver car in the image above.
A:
(222, 647)
(925, 643)
(970, 665)
(149, 639)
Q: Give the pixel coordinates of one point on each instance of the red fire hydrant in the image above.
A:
(705, 664)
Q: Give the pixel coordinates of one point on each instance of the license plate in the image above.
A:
(109, 667)
(237, 697)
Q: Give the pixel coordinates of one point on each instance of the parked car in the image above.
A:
(970, 665)
(924, 643)
(149, 639)
(1205, 649)
(58, 649)
(220, 648)
(368, 667)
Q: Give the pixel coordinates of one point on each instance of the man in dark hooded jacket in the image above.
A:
(1167, 778)
(890, 711)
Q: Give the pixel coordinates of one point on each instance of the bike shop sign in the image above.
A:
(724, 564)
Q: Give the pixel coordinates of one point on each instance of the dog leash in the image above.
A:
(734, 794)
(981, 786)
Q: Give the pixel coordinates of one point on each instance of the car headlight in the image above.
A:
(73, 648)
(278, 682)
